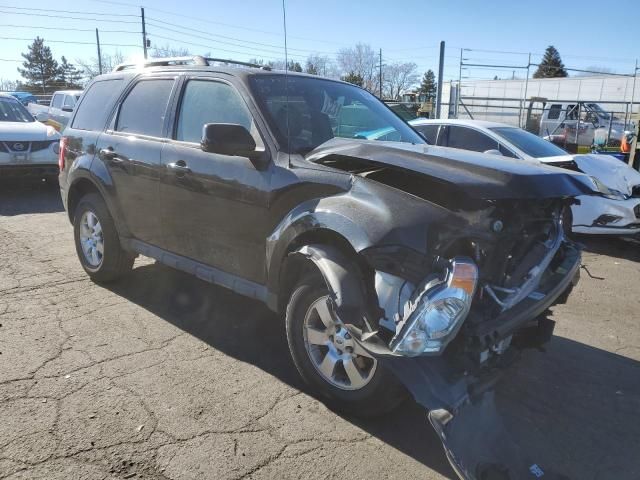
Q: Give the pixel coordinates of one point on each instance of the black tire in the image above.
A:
(382, 394)
(115, 261)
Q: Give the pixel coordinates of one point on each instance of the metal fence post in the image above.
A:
(523, 124)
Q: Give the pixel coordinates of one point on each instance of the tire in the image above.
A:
(112, 262)
(382, 391)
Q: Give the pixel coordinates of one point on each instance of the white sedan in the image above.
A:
(615, 212)
(27, 147)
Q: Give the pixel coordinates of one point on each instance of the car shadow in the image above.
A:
(574, 407)
(26, 196)
(627, 249)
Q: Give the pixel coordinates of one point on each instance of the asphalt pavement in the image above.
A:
(162, 376)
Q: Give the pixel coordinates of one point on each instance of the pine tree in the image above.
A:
(354, 78)
(551, 65)
(294, 66)
(429, 86)
(40, 68)
(69, 75)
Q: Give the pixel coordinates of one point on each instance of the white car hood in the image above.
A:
(612, 172)
(26, 132)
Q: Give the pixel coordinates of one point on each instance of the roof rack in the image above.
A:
(192, 60)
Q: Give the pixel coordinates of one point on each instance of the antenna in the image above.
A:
(286, 79)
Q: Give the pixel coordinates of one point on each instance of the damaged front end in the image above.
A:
(448, 324)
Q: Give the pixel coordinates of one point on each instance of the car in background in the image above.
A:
(25, 98)
(58, 113)
(615, 212)
(28, 148)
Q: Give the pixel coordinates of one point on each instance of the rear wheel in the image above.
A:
(330, 360)
(97, 243)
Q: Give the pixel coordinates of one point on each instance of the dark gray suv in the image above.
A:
(396, 265)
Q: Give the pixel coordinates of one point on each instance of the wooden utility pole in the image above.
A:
(440, 81)
(144, 33)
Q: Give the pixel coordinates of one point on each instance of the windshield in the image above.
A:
(319, 110)
(12, 111)
(529, 143)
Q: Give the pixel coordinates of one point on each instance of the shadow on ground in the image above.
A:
(572, 409)
(20, 197)
(628, 249)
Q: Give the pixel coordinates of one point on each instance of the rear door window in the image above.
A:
(143, 110)
(56, 101)
(96, 104)
(430, 132)
(469, 139)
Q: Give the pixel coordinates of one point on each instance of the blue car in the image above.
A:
(25, 98)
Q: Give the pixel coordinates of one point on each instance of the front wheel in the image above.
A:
(330, 360)
(97, 241)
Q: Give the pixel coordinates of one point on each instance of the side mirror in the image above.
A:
(494, 151)
(67, 109)
(228, 139)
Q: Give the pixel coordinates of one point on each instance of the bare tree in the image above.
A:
(360, 60)
(8, 85)
(169, 51)
(318, 65)
(109, 62)
(397, 78)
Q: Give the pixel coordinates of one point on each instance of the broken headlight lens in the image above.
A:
(439, 312)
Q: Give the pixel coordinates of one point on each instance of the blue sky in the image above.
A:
(406, 31)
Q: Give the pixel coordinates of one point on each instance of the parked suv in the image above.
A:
(396, 265)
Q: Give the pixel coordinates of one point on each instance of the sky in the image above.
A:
(587, 33)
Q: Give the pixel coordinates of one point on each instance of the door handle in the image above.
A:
(109, 154)
(179, 167)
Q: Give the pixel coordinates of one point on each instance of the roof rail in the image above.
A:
(192, 60)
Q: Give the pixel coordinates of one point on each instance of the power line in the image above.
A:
(70, 29)
(69, 18)
(224, 36)
(210, 21)
(68, 11)
(70, 42)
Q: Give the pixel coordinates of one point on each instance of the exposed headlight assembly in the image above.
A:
(438, 311)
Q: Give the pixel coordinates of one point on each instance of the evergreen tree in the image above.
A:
(40, 68)
(69, 75)
(429, 86)
(551, 65)
(354, 78)
(294, 66)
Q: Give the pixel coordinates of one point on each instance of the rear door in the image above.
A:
(130, 149)
(429, 132)
(215, 206)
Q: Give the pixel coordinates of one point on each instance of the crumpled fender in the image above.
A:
(346, 294)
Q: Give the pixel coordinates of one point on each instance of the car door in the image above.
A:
(214, 205)
(64, 114)
(130, 150)
(56, 106)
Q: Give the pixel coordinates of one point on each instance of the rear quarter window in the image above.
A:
(430, 132)
(96, 104)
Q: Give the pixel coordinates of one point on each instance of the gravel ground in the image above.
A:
(162, 376)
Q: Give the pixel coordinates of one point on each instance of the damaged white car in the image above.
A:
(615, 212)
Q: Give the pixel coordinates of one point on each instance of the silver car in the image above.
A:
(615, 212)
(27, 147)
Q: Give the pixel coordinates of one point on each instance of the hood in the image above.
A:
(613, 173)
(26, 132)
(479, 175)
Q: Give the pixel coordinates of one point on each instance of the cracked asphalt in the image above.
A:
(161, 376)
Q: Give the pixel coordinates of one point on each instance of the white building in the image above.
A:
(504, 100)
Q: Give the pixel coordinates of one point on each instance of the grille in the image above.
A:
(18, 146)
(35, 146)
